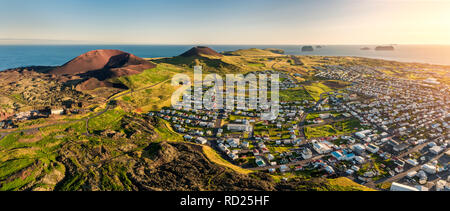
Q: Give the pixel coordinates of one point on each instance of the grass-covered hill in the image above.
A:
(252, 52)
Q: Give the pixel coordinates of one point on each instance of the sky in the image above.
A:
(225, 22)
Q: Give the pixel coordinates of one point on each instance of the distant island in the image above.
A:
(318, 46)
(384, 48)
(365, 48)
(307, 48)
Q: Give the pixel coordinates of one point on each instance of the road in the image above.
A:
(87, 119)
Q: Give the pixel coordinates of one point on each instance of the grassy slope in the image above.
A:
(316, 89)
(30, 159)
(212, 155)
(295, 94)
(347, 184)
(252, 52)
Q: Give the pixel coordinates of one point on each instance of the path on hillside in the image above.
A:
(109, 106)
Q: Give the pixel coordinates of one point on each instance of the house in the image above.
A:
(399, 162)
(298, 168)
(321, 148)
(57, 111)
(306, 153)
(255, 152)
(223, 148)
(411, 174)
(239, 127)
(362, 134)
(436, 150)
(270, 157)
(233, 142)
(400, 147)
(359, 159)
(329, 169)
(233, 156)
(412, 162)
(325, 116)
(358, 148)
(430, 169)
(284, 168)
(201, 140)
(338, 155)
(372, 148)
(349, 156)
(260, 162)
(441, 185)
(245, 144)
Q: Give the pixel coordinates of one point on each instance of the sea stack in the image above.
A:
(384, 48)
(307, 48)
(365, 48)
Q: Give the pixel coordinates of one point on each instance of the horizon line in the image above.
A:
(216, 44)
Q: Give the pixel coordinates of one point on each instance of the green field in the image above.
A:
(295, 94)
(312, 116)
(337, 128)
(316, 89)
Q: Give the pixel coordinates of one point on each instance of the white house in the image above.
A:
(284, 168)
(436, 150)
(430, 169)
(412, 162)
(57, 111)
(306, 153)
(321, 148)
(372, 148)
(201, 140)
(359, 159)
(239, 127)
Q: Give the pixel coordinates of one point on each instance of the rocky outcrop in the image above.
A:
(307, 48)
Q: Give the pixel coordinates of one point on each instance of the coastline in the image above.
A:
(14, 56)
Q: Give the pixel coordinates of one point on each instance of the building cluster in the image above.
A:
(11, 121)
(403, 129)
(409, 121)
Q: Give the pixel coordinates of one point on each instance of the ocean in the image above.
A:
(12, 56)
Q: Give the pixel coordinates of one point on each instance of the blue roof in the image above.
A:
(336, 154)
(350, 155)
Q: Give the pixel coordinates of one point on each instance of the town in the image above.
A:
(383, 132)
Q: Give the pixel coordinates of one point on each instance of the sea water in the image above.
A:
(12, 56)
